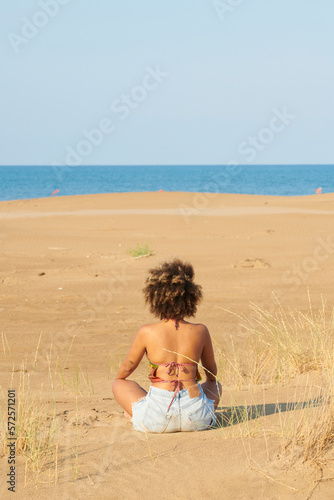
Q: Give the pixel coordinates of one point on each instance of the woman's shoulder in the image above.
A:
(147, 328)
(201, 331)
(198, 326)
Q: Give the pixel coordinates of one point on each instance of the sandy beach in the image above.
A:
(71, 304)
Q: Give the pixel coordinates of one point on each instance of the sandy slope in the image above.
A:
(65, 272)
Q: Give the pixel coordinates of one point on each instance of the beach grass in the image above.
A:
(36, 426)
(281, 347)
(141, 250)
(284, 344)
(39, 429)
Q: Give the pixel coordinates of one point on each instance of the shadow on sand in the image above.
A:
(233, 415)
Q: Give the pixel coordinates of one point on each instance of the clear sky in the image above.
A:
(117, 82)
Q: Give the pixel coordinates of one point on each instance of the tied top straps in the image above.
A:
(173, 367)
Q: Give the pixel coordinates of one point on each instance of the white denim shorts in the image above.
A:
(150, 414)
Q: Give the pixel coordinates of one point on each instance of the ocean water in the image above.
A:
(25, 182)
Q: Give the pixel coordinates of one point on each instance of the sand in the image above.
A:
(69, 286)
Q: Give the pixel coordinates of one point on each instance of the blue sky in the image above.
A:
(167, 82)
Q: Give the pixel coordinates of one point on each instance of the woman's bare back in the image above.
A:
(174, 351)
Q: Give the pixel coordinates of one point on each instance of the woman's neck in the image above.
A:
(175, 322)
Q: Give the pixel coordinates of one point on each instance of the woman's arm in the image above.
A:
(134, 356)
(208, 357)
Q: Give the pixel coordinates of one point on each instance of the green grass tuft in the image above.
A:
(141, 251)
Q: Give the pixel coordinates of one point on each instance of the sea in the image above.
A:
(26, 182)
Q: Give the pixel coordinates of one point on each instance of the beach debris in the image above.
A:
(161, 191)
(41, 274)
(318, 191)
(60, 288)
(252, 263)
(55, 192)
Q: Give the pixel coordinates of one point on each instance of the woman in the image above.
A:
(173, 346)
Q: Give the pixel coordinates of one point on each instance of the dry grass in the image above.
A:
(36, 429)
(312, 433)
(37, 426)
(280, 347)
(285, 344)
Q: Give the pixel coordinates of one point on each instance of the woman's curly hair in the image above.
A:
(171, 292)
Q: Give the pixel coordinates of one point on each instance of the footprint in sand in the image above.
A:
(87, 418)
(8, 280)
(252, 263)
